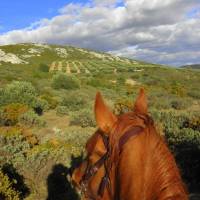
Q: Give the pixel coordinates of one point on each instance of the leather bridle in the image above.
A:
(91, 170)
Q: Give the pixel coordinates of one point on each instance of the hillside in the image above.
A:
(195, 66)
(65, 58)
(47, 96)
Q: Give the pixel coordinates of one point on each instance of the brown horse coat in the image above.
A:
(144, 169)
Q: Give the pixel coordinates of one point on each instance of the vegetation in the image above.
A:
(6, 188)
(63, 81)
(46, 113)
(44, 68)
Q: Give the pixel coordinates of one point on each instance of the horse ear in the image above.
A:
(141, 103)
(104, 117)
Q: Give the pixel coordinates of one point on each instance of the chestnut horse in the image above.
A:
(127, 159)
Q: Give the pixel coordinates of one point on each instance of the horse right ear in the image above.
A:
(140, 106)
(104, 117)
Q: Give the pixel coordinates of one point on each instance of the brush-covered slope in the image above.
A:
(194, 66)
(65, 58)
(47, 116)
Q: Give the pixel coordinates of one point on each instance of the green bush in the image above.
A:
(83, 118)
(13, 148)
(43, 67)
(21, 92)
(7, 191)
(99, 82)
(122, 106)
(194, 93)
(180, 104)
(64, 81)
(78, 136)
(52, 102)
(62, 110)
(30, 119)
(74, 101)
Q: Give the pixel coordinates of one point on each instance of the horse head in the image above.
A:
(118, 152)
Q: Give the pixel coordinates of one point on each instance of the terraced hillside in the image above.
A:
(46, 113)
(65, 58)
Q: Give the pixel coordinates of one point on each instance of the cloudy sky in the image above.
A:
(159, 31)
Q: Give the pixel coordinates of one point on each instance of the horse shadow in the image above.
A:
(187, 157)
(58, 183)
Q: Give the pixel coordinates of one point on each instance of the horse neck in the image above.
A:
(147, 170)
(167, 180)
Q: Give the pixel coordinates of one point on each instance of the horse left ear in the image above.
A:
(104, 117)
(141, 103)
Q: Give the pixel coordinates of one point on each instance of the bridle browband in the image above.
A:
(91, 170)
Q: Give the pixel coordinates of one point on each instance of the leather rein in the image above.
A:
(91, 170)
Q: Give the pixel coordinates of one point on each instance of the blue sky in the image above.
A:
(165, 32)
(17, 14)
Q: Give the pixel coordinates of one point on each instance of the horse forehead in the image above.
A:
(126, 117)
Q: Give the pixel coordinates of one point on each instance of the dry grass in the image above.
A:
(54, 122)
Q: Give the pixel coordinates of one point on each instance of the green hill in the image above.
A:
(77, 60)
(194, 66)
(46, 112)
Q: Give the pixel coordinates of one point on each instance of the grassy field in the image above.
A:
(46, 113)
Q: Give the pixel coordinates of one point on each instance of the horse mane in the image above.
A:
(162, 174)
(166, 177)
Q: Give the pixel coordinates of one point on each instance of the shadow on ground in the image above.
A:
(18, 183)
(58, 184)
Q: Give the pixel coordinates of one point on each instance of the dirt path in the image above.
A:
(68, 70)
(54, 123)
(52, 66)
(59, 66)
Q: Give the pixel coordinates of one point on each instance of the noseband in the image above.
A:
(91, 170)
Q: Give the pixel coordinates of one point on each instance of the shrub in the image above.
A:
(122, 106)
(100, 82)
(177, 89)
(30, 119)
(10, 114)
(62, 110)
(180, 104)
(6, 188)
(64, 81)
(160, 103)
(74, 101)
(83, 118)
(43, 67)
(194, 93)
(21, 92)
(52, 102)
(78, 136)
(13, 149)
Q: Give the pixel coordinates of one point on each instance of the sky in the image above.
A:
(165, 32)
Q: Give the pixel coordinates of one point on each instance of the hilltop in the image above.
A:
(194, 66)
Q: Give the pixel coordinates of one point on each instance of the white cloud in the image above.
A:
(156, 31)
